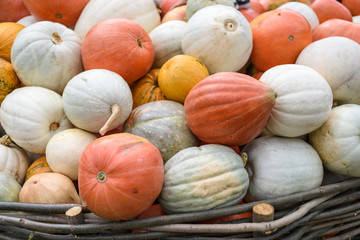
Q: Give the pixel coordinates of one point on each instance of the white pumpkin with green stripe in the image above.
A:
(203, 178)
(9, 188)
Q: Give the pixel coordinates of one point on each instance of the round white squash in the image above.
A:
(193, 6)
(31, 116)
(27, 20)
(9, 188)
(220, 36)
(64, 149)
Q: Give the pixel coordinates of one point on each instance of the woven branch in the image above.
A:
(38, 208)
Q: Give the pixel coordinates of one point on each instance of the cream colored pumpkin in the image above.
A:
(46, 54)
(193, 6)
(31, 116)
(9, 188)
(167, 41)
(143, 12)
(97, 100)
(220, 36)
(337, 60)
(303, 100)
(64, 149)
(27, 21)
(304, 10)
(337, 140)
(356, 19)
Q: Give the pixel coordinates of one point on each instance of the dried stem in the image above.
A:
(5, 140)
(115, 113)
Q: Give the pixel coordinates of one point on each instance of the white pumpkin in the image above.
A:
(193, 6)
(337, 60)
(356, 19)
(337, 140)
(31, 116)
(279, 166)
(64, 150)
(13, 160)
(143, 12)
(167, 41)
(220, 36)
(9, 188)
(303, 100)
(46, 54)
(97, 100)
(27, 20)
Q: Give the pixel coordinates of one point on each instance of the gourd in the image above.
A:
(279, 166)
(46, 54)
(228, 108)
(342, 68)
(49, 188)
(167, 5)
(297, 86)
(353, 6)
(120, 176)
(164, 124)
(202, 178)
(192, 6)
(64, 149)
(219, 36)
(329, 9)
(9, 188)
(126, 48)
(177, 13)
(31, 116)
(97, 100)
(40, 165)
(28, 20)
(275, 4)
(8, 33)
(15, 9)
(8, 79)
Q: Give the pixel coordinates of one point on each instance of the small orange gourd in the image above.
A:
(8, 32)
(40, 165)
(8, 79)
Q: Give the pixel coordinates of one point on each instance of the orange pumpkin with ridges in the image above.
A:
(328, 9)
(353, 6)
(8, 79)
(40, 165)
(15, 10)
(8, 33)
(337, 27)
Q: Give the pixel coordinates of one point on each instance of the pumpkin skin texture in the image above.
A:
(228, 108)
(192, 6)
(164, 124)
(126, 49)
(8, 33)
(353, 6)
(274, 4)
(46, 54)
(147, 89)
(280, 166)
(202, 178)
(15, 10)
(49, 188)
(281, 34)
(9, 188)
(177, 13)
(219, 36)
(179, 74)
(27, 21)
(297, 86)
(329, 9)
(8, 79)
(31, 116)
(336, 140)
(341, 69)
(120, 176)
(40, 165)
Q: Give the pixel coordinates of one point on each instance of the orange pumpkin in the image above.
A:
(8, 33)
(328, 9)
(257, 6)
(249, 13)
(8, 79)
(62, 11)
(278, 38)
(147, 89)
(273, 4)
(154, 210)
(353, 6)
(12, 10)
(119, 45)
(120, 176)
(178, 13)
(40, 165)
(167, 5)
(337, 27)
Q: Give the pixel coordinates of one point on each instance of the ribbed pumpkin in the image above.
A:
(8, 33)
(147, 89)
(120, 176)
(202, 178)
(28, 20)
(9, 188)
(228, 108)
(328, 9)
(40, 165)
(12, 10)
(8, 79)
(192, 6)
(353, 6)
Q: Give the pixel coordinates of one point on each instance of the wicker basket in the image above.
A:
(331, 210)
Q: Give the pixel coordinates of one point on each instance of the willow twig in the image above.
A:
(37, 217)
(341, 210)
(347, 235)
(335, 222)
(38, 208)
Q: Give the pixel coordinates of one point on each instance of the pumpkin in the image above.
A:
(28, 20)
(15, 10)
(120, 176)
(97, 100)
(8, 79)
(147, 89)
(46, 54)
(219, 36)
(49, 188)
(341, 69)
(178, 13)
(40, 165)
(336, 140)
(64, 149)
(9, 188)
(278, 37)
(274, 4)
(353, 6)
(167, 39)
(329, 9)
(297, 86)
(337, 27)
(64, 12)
(8, 33)
(202, 178)
(13, 160)
(167, 5)
(249, 13)
(279, 166)
(154, 210)
(192, 6)
(142, 12)
(164, 124)
(179, 74)
(31, 116)
(126, 48)
(228, 108)
(356, 19)
(257, 6)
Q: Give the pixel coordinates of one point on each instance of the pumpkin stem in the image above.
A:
(244, 157)
(5, 140)
(54, 126)
(101, 176)
(115, 113)
(56, 39)
(230, 25)
(139, 42)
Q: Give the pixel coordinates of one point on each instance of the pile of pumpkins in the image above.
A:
(119, 105)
